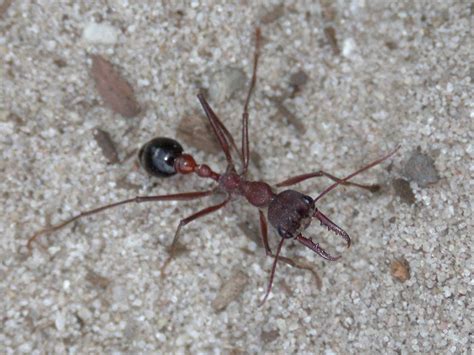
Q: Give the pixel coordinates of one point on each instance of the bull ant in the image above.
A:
(289, 212)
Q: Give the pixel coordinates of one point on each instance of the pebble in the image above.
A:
(421, 169)
(100, 33)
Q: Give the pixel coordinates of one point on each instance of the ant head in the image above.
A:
(157, 156)
(290, 212)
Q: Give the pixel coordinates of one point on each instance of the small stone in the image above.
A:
(400, 269)
(298, 79)
(403, 190)
(348, 47)
(421, 169)
(100, 33)
(60, 321)
(268, 337)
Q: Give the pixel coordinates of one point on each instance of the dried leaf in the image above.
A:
(330, 34)
(97, 280)
(115, 91)
(107, 145)
(195, 132)
(230, 290)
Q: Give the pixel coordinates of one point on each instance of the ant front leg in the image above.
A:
(266, 245)
(289, 261)
(245, 114)
(299, 178)
(185, 221)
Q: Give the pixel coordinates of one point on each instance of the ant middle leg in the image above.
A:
(173, 247)
(299, 178)
(264, 236)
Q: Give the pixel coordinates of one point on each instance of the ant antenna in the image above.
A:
(367, 167)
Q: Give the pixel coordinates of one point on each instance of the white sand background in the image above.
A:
(403, 76)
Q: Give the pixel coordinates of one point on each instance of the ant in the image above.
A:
(289, 212)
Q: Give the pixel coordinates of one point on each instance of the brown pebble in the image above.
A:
(97, 280)
(116, 92)
(230, 290)
(400, 269)
(404, 191)
(268, 337)
(330, 34)
(299, 79)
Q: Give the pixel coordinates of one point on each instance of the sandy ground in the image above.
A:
(378, 75)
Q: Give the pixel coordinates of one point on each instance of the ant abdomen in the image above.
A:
(289, 212)
(157, 156)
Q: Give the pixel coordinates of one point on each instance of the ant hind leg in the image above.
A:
(186, 196)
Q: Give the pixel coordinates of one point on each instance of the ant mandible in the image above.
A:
(289, 212)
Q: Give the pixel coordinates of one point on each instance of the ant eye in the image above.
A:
(158, 155)
(308, 199)
(284, 233)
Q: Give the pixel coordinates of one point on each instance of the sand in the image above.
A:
(378, 76)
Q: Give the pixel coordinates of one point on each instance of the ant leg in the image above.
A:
(272, 275)
(186, 196)
(299, 178)
(245, 115)
(226, 132)
(264, 236)
(364, 168)
(182, 223)
(289, 261)
(221, 132)
(264, 233)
